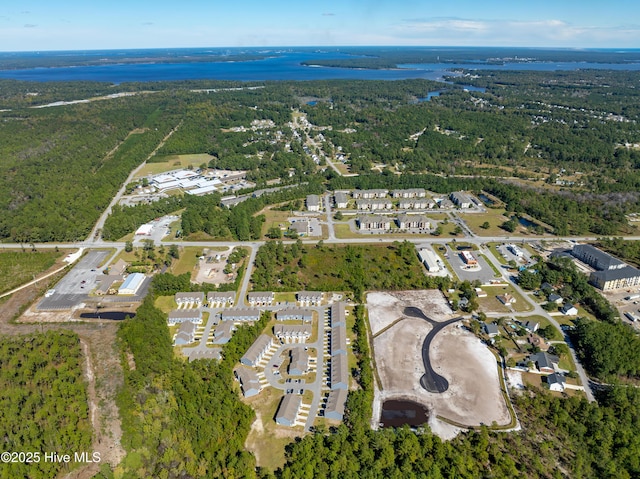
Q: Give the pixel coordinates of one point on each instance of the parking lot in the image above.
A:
(483, 272)
(74, 288)
(161, 228)
(77, 283)
(507, 251)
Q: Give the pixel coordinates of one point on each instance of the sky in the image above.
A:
(39, 25)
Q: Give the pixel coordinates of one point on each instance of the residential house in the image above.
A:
(222, 298)
(339, 372)
(374, 204)
(341, 199)
(181, 315)
(260, 298)
(506, 299)
(338, 316)
(335, 404)
(491, 329)
(369, 194)
(569, 309)
(612, 273)
(409, 193)
(299, 364)
(223, 332)
(249, 381)
(240, 315)
(293, 314)
(406, 222)
(292, 333)
(555, 381)
(310, 298)
(531, 326)
(257, 350)
(313, 203)
(189, 299)
(416, 204)
(545, 362)
(288, 410)
(186, 334)
(338, 339)
(555, 298)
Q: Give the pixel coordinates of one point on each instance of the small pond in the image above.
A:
(398, 412)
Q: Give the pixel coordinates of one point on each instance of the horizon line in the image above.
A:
(415, 47)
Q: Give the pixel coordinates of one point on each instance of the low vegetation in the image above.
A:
(19, 267)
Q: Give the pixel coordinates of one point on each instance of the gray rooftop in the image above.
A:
(601, 260)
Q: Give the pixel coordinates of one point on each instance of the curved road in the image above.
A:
(430, 380)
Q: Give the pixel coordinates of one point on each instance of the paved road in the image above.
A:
(430, 380)
(331, 232)
(539, 311)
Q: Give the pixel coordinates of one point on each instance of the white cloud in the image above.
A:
(548, 33)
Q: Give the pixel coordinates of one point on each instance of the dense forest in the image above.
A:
(181, 419)
(356, 268)
(43, 402)
(186, 420)
(551, 145)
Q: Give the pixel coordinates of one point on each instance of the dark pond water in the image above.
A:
(486, 199)
(396, 413)
(115, 315)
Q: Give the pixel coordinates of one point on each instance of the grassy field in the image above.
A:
(173, 162)
(495, 217)
(18, 267)
(337, 268)
(266, 439)
(491, 303)
(275, 219)
(165, 303)
(493, 247)
(343, 231)
(188, 260)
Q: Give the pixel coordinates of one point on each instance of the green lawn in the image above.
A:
(165, 303)
(18, 267)
(187, 261)
(491, 303)
(495, 217)
(544, 322)
(173, 162)
(493, 247)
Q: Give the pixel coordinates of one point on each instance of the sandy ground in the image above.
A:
(474, 395)
(514, 379)
(385, 308)
(213, 272)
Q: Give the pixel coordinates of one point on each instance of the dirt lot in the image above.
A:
(212, 271)
(474, 395)
(386, 308)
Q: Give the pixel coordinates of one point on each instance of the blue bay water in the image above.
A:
(280, 66)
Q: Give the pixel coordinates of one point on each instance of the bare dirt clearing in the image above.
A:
(385, 308)
(473, 397)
